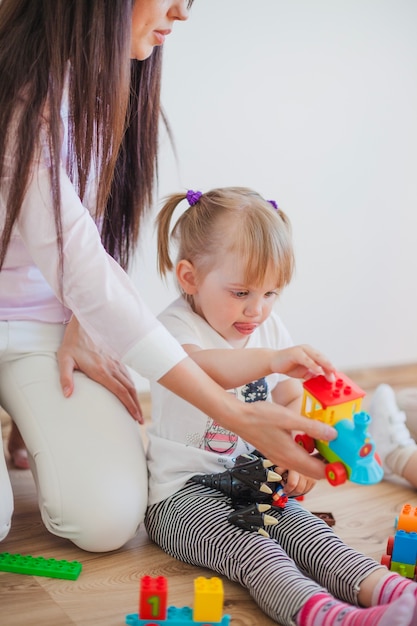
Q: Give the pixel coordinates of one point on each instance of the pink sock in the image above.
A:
(324, 610)
(391, 587)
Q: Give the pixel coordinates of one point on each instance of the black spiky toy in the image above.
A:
(251, 485)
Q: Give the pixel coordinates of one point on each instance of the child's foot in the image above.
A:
(407, 402)
(324, 610)
(17, 449)
(393, 441)
(391, 587)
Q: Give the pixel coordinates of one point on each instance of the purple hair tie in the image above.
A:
(193, 197)
(274, 204)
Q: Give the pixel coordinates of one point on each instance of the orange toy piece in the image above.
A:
(407, 519)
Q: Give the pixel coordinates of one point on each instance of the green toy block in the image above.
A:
(405, 569)
(39, 566)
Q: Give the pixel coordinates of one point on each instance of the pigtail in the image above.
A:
(163, 223)
(285, 219)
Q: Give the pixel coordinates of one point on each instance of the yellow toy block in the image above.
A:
(208, 599)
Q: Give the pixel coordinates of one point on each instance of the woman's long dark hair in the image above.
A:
(114, 109)
(135, 171)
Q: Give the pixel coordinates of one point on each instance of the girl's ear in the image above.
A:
(186, 277)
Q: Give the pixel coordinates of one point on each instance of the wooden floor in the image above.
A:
(107, 588)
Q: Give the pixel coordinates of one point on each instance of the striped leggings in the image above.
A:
(303, 556)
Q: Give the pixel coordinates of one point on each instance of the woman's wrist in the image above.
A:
(242, 418)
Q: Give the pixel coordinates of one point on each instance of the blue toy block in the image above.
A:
(405, 547)
(39, 566)
(175, 617)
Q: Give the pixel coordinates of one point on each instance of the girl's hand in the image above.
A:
(302, 362)
(295, 484)
(79, 352)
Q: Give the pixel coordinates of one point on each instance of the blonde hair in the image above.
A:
(228, 219)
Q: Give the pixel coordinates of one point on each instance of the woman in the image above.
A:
(78, 145)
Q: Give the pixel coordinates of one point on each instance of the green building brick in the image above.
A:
(39, 566)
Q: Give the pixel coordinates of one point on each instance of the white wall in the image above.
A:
(313, 103)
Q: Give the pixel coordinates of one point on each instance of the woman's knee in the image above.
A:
(103, 526)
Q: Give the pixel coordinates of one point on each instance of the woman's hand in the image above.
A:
(79, 352)
(269, 428)
(302, 362)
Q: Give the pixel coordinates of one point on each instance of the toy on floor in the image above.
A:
(401, 555)
(351, 456)
(39, 566)
(325, 516)
(254, 488)
(207, 610)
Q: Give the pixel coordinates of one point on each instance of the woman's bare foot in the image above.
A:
(17, 449)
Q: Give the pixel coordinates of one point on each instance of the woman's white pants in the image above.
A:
(85, 452)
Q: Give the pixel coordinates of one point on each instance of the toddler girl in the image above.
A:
(234, 257)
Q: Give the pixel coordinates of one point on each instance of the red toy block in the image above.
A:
(342, 390)
(153, 597)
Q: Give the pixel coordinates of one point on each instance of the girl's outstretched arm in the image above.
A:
(265, 425)
(232, 368)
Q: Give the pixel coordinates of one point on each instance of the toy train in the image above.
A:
(401, 555)
(351, 456)
(153, 610)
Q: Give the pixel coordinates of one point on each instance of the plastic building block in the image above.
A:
(39, 566)
(405, 547)
(153, 595)
(329, 394)
(326, 517)
(208, 599)
(401, 551)
(406, 570)
(351, 456)
(407, 520)
(175, 617)
(208, 604)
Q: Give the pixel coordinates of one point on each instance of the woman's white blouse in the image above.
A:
(94, 287)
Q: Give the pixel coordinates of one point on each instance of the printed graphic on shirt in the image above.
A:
(218, 439)
(194, 439)
(222, 441)
(253, 392)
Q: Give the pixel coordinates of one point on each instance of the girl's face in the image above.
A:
(152, 21)
(233, 308)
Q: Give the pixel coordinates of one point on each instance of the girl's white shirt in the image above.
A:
(95, 288)
(184, 441)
